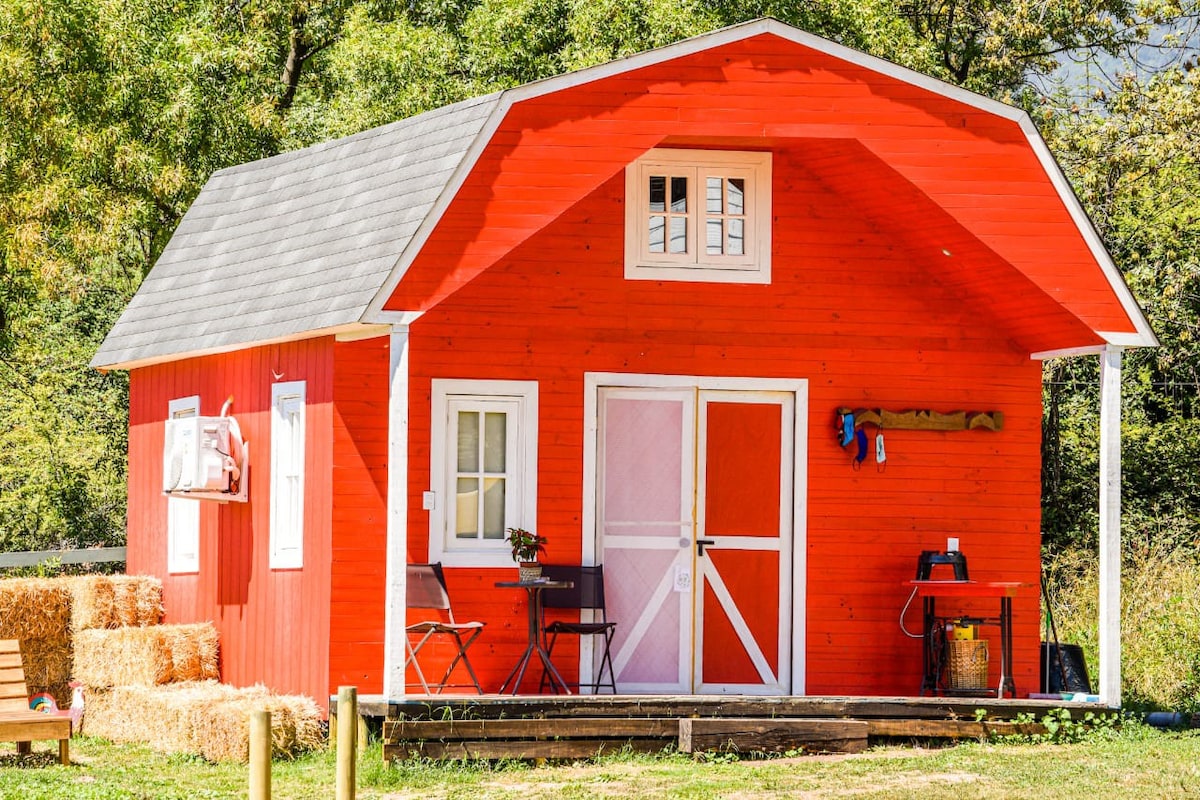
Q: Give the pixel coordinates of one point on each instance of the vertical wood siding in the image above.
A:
(273, 624)
(976, 168)
(358, 577)
(849, 309)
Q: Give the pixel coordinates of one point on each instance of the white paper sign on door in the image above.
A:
(683, 578)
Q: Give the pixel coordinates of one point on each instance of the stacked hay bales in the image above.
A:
(206, 718)
(146, 656)
(144, 681)
(37, 612)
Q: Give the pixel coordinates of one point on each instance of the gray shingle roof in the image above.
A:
(296, 243)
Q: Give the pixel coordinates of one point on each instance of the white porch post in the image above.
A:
(397, 516)
(1110, 526)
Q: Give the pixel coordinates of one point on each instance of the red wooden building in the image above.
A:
(622, 307)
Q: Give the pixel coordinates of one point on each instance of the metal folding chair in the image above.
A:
(588, 594)
(427, 590)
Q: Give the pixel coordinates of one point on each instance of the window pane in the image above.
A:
(713, 235)
(495, 441)
(737, 195)
(737, 237)
(679, 195)
(658, 234)
(712, 195)
(466, 512)
(493, 508)
(468, 441)
(658, 193)
(678, 234)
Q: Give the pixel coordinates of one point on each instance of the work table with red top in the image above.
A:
(933, 638)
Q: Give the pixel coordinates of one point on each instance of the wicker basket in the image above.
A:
(968, 663)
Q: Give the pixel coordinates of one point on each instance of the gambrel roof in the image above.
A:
(318, 241)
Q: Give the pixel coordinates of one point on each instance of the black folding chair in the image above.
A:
(427, 590)
(587, 594)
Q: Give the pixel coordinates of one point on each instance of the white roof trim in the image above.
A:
(349, 332)
(1144, 337)
(1067, 352)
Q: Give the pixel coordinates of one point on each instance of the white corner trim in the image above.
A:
(1110, 527)
(395, 639)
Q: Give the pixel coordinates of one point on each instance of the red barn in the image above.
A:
(622, 307)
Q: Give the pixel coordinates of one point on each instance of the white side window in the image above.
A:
(287, 475)
(699, 215)
(483, 467)
(183, 514)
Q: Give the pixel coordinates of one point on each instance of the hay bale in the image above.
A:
(206, 718)
(146, 656)
(115, 601)
(37, 612)
(34, 608)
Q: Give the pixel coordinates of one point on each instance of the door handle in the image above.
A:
(703, 543)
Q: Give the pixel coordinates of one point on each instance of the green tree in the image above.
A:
(1133, 152)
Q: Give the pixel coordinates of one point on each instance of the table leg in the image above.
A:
(518, 671)
(1006, 644)
(929, 678)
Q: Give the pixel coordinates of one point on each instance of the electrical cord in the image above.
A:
(904, 611)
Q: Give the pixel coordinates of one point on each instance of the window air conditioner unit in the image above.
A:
(204, 458)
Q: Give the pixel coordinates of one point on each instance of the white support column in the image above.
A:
(397, 517)
(1110, 526)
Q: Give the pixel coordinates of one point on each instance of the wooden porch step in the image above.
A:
(950, 728)
(525, 738)
(587, 737)
(764, 735)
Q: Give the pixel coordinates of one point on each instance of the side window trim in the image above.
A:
(518, 401)
(288, 437)
(183, 514)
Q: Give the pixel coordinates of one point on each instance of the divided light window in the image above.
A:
(287, 475)
(484, 468)
(699, 215)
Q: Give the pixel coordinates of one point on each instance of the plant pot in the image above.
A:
(528, 571)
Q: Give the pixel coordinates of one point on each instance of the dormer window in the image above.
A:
(699, 215)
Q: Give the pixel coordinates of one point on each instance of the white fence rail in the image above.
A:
(91, 555)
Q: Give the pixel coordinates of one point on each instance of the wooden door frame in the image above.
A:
(594, 381)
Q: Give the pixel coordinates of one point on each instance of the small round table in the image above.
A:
(534, 589)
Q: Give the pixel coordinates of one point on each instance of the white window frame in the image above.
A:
(288, 437)
(520, 400)
(754, 266)
(183, 514)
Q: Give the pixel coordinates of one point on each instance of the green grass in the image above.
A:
(1135, 763)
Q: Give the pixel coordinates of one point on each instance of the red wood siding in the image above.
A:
(358, 578)
(862, 319)
(274, 624)
(976, 168)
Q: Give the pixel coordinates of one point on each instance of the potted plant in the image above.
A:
(526, 545)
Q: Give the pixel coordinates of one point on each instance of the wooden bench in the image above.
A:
(17, 722)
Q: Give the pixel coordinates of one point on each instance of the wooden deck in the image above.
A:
(539, 726)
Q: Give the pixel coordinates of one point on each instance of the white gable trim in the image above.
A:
(1144, 337)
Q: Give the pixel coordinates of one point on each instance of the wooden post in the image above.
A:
(260, 755)
(395, 639)
(347, 748)
(1110, 526)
